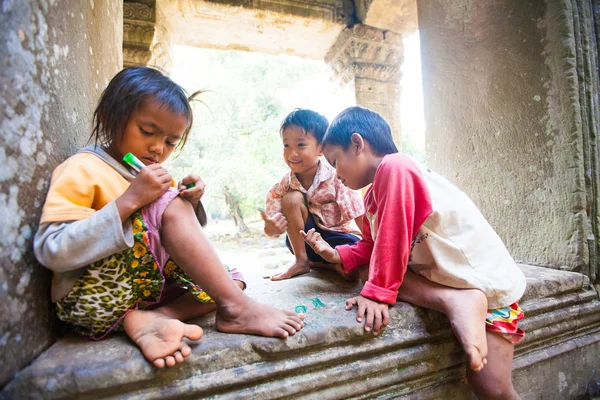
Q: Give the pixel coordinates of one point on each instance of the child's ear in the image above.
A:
(357, 142)
(320, 148)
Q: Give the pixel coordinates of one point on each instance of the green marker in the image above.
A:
(134, 162)
(138, 165)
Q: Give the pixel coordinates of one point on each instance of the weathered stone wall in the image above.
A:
(304, 29)
(57, 57)
(398, 16)
(504, 119)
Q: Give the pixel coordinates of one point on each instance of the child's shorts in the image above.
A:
(135, 278)
(332, 237)
(503, 321)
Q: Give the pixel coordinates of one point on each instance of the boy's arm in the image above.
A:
(402, 205)
(275, 223)
(360, 252)
(65, 246)
(274, 197)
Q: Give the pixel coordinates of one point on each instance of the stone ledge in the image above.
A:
(332, 357)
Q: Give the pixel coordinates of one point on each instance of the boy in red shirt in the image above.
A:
(426, 243)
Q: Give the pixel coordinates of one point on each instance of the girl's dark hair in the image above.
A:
(311, 121)
(127, 91)
(370, 125)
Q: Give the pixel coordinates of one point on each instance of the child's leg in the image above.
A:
(159, 332)
(187, 244)
(495, 380)
(465, 308)
(296, 213)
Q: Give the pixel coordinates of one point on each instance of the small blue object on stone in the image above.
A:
(300, 309)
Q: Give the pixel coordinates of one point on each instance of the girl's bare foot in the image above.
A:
(258, 319)
(159, 337)
(466, 310)
(297, 268)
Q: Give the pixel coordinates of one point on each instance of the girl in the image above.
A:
(124, 247)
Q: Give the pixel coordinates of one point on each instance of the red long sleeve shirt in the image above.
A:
(396, 204)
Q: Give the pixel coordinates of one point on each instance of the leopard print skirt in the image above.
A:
(125, 281)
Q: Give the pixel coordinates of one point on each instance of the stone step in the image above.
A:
(332, 357)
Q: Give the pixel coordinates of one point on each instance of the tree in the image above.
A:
(235, 144)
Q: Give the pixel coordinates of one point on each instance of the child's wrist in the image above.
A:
(126, 206)
(336, 259)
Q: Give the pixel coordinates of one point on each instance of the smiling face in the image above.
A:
(300, 151)
(151, 134)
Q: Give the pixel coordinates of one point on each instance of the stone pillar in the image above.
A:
(57, 58)
(162, 44)
(139, 18)
(511, 116)
(371, 58)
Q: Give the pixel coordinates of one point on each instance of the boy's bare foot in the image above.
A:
(159, 337)
(258, 319)
(296, 268)
(468, 324)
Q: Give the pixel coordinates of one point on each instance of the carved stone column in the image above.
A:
(371, 58)
(138, 32)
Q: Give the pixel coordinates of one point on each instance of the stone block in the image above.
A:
(332, 357)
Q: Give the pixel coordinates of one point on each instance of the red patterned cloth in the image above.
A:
(503, 321)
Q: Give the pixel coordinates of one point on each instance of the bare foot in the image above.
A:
(159, 337)
(296, 268)
(469, 325)
(258, 319)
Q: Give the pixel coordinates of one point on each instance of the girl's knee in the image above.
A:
(178, 208)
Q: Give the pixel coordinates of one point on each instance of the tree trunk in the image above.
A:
(235, 212)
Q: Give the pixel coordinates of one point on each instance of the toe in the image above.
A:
(297, 325)
(170, 361)
(178, 357)
(193, 332)
(295, 316)
(159, 363)
(185, 350)
(289, 329)
(282, 333)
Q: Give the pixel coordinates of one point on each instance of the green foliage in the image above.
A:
(235, 138)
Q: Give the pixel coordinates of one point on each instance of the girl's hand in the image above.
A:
(149, 184)
(193, 194)
(377, 313)
(275, 225)
(321, 247)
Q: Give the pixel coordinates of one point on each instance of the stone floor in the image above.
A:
(333, 358)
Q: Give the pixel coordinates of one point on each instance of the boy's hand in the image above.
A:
(321, 247)
(195, 193)
(275, 225)
(377, 313)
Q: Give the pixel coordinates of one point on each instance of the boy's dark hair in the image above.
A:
(311, 121)
(369, 124)
(127, 91)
